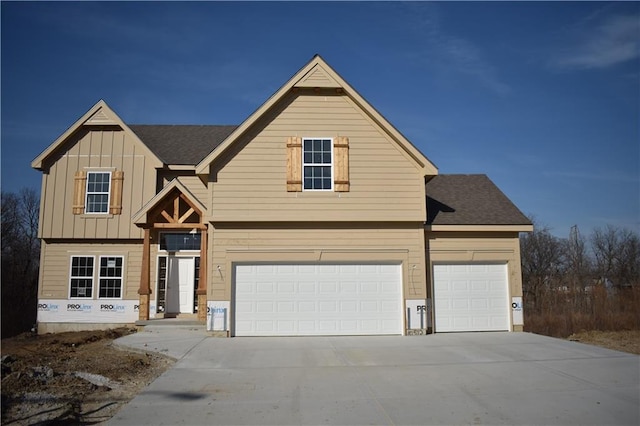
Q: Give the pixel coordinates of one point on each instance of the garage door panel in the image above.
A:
(286, 288)
(318, 299)
(471, 297)
(349, 306)
(328, 307)
(328, 287)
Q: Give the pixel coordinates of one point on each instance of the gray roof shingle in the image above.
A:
(181, 144)
(469, 200)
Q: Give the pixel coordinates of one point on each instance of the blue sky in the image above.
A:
(542, 97)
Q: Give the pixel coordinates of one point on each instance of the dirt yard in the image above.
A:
(72, 378)
(80, 378)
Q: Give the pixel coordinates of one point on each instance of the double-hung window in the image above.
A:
(110, 277)
(98, 188)
(81, 277)
(317, 162)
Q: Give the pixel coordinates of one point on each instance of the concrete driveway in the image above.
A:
(441, 379)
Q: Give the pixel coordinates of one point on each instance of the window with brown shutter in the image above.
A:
(97, 192)
(341, 164)
(294, 165)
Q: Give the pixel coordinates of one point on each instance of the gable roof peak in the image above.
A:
(318, 74)
(100, 114)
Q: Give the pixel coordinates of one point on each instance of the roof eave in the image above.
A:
(480, 228)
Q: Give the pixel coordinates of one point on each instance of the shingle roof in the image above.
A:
(181, 144)
(469, 200)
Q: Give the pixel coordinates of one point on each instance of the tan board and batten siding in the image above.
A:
(385, 183)
(96, 149)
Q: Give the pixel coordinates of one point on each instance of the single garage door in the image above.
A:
(317, 299)
(470, 297)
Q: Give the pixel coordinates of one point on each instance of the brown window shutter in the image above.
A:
(115, 203)
(294, 164)
(341, 165)
(80, 186)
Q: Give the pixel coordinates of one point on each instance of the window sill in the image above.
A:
(328, 194)
(96, 216)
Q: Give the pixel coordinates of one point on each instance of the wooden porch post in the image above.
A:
(145, 277)
(202, 280)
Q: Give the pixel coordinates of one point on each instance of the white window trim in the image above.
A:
(92, 277)
(86, 193)
(313, 164)
(109, 278)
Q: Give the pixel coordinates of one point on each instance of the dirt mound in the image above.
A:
(71, 378)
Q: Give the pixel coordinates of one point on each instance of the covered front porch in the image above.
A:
(173, 279)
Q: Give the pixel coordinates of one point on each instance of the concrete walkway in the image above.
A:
(441, 379)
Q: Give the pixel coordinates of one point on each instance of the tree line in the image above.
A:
(20, 260)
(581, 283)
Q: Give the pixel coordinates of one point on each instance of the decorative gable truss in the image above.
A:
(176, 211)
(340, 164)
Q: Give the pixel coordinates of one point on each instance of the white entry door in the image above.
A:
(180, 283)
(471, 297)
(318, 299)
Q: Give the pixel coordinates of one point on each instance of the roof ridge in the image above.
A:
(179, 125)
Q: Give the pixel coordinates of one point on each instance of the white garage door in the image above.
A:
(470, 297)
(317, 299)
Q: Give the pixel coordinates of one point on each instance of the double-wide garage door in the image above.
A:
(471, 297)
(317, 299)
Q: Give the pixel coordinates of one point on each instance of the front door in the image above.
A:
(180, 283)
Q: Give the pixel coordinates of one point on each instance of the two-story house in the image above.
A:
(314, 216)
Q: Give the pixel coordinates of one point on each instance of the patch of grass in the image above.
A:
(624, 341)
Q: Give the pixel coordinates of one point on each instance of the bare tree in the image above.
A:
(20, 260)
(617, 256)
(577, 266)
(542, 259)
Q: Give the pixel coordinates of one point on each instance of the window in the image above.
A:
(317, 164)
(162, 284)
(81, 277)
(110, 277)
(179, 241)
(196, 283)
(98, 184)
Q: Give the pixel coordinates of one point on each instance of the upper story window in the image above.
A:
(98, 189)
(317, 164)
